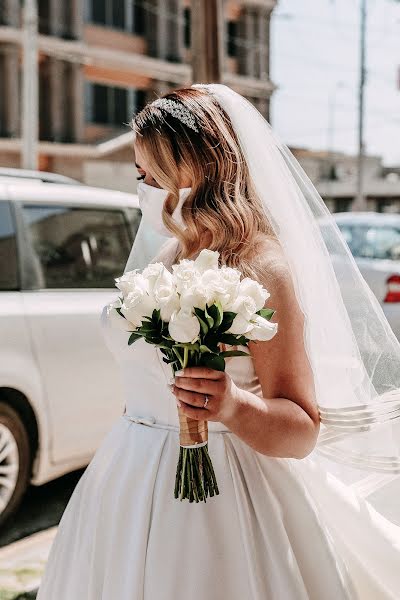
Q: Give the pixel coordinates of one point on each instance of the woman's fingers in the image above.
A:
(192, 398)
(200, 373)
(202, 386)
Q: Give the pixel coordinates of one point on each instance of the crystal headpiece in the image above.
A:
(177, 110)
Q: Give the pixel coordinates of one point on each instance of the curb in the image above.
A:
(22, 564)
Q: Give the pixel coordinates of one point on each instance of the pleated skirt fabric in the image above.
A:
(123, 535)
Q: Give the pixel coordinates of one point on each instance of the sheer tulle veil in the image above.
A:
(354, 354)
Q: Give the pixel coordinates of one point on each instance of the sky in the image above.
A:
(315, 64)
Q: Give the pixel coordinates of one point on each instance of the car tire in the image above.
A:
(12, 426)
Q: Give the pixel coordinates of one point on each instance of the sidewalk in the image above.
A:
(22, 564)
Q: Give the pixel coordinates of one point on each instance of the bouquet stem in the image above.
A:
(195, 477)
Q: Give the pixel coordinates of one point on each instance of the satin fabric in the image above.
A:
(279, 530)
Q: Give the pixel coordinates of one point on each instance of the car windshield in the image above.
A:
(370, 241)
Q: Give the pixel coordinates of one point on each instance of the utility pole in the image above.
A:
(360, 200)
(207, 38)
(30, 87)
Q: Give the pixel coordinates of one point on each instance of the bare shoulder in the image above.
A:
(272, 267)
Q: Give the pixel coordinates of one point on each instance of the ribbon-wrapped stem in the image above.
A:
(195, 477)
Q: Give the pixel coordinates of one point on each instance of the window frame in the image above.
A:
(132, 102)
(14, 222)
(108, 10)
(28, 276)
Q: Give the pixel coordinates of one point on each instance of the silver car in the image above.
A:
(374, 240)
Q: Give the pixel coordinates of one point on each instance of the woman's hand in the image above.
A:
(193, 384)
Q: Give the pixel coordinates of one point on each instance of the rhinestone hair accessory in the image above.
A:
(177, 110)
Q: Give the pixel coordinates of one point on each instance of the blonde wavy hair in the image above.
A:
(223, 200)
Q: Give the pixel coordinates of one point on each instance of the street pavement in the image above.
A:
(25, 540)
(22, 564)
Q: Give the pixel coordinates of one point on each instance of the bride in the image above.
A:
(300, 432)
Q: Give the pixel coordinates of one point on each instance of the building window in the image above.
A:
(109, 105)
(78, 247)
(139, 17)
(3, 99)
(232, 36)
(111, 13)
(114, 106)
(186, 28)
(141, 99)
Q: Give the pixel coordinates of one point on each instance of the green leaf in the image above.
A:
(266, 313)
(203, 326)
(147, 327)
(120, 313)
(234, 353)
(212, 341)
(147, 319)
(188, 346)
(209, 319)
(214, 313)
(227, 321)
(156, 316)
(220, 315)
(230, 339)
(202, 320)
(213, 361)
(204, 348)
(133, 337)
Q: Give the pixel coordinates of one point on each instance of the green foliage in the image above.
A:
(266, 313)
(206, 351)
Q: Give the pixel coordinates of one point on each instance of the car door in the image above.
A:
(375, 248)
(77, 251)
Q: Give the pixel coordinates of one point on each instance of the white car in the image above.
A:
(61, 246)
(374, 241)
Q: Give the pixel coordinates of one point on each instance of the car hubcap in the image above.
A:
(9, 465)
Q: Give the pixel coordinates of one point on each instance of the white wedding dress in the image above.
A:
(271, 534)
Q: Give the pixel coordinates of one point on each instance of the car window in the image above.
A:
(8, 249)
(78, 247)
(373, 242)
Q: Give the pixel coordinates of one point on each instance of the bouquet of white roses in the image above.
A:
(191, 315)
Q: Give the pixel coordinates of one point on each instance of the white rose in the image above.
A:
(207, 259)
(244, 306)
(231, 279)
(221, 285)
(240, 326)
(249, 287)
(137, 305)
(262, 330)
(126, 282)
(194, 297)
(184, 327)
(115, 318)
(165, 294)
(185, 275)
(152, 272)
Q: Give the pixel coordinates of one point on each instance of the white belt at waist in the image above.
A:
(151, 422)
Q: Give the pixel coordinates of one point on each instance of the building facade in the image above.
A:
(334, 175)
(100, 61)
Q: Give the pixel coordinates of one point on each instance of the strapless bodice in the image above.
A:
(145, 376)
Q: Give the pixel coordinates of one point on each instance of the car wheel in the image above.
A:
(15, 461)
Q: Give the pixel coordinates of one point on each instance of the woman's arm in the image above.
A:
(285, 422)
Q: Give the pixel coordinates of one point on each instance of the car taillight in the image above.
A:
(393, 289)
